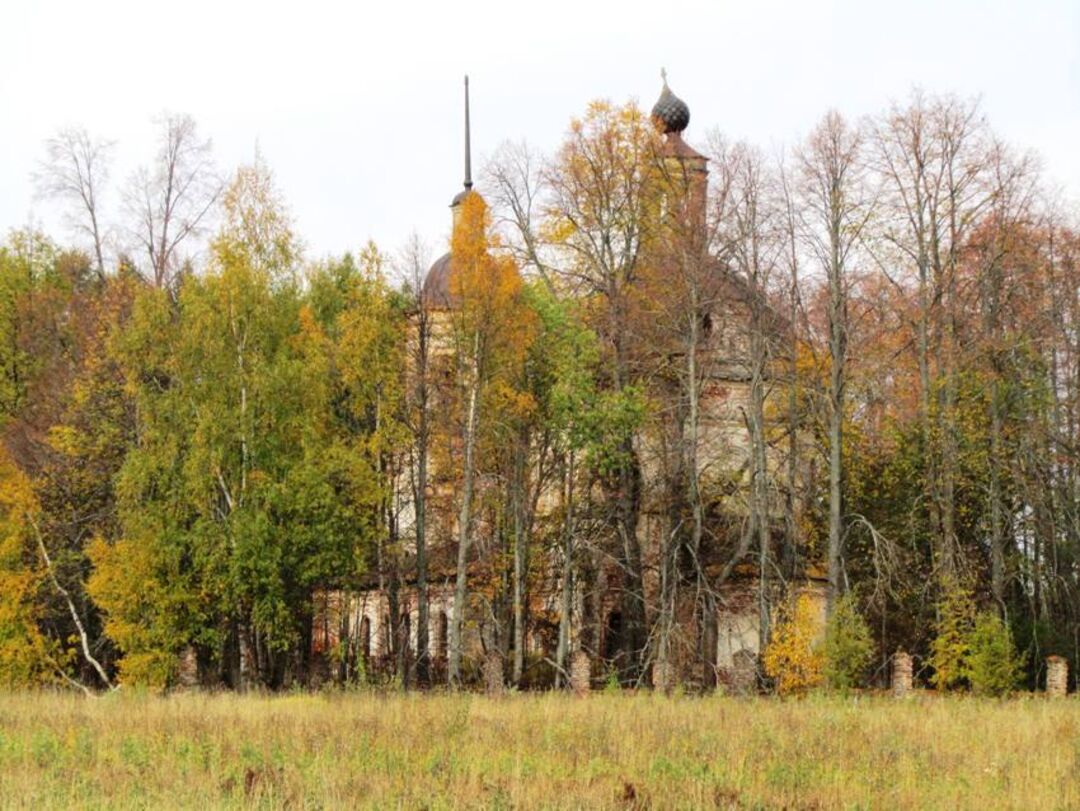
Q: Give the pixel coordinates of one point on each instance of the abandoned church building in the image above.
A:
(643, 598)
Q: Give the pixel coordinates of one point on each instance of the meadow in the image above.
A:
(609, 750)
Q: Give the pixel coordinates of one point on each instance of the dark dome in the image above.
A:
(461, 195)
(670, 112)
(435, 294)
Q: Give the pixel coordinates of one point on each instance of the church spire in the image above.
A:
(461, 195)
(468, 150)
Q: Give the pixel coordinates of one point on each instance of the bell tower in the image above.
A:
(686, 169)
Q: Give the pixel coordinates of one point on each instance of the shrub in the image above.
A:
(994, 668)
(848, 647)
(792, 658)
(951, 648)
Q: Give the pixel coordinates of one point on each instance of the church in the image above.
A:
(694, 639)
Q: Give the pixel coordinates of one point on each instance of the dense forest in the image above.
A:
(204, 432)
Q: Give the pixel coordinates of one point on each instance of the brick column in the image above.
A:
(901, 674)
(1057, 676)
(580, 673)
(187, 675)
(493, 674)
(663, 677)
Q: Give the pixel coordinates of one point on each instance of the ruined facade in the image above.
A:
(379, 626)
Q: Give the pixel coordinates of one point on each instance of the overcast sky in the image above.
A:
(357, 106)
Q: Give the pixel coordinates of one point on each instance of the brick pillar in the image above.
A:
(580, 673)
(493, 674)
(742, 677)
(901, 674)
(187, 675)
(1057, 676)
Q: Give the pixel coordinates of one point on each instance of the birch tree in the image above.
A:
(168, 201)
(835, 209)
(75, 172)
(489, 331)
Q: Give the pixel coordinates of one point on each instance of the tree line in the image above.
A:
(205, 434)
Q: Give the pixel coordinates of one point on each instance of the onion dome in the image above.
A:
(670, 112)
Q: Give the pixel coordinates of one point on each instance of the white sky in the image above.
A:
(357, 105)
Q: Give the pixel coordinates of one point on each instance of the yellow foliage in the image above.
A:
(26, 655)
(492, 325)
(792, 657)
(124, 584)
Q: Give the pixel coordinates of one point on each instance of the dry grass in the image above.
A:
(535, 751)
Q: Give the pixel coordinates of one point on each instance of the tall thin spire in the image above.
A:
(468, 151)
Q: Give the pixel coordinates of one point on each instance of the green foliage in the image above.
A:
(848, 647)
(994, 668)
(564, 357)
(951, 649)
(28, 282)
(585, 417)
(254, 483)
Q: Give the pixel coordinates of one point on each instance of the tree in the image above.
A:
(489, 334)
(848, 647)
(564, 356)
(1000, 249)
(994, 668)
(519, 190)
(418, 401)
(27, 656)
(65, 429)
(835, 211)
(792, 657)
(373, 352)
(168, 202)
(752, 236)
(603, 203)
(951, 648)
(245, 493)
(931, 159)
(75, 171)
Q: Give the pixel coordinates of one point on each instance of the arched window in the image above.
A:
(365, 638)
(613, 635)
(386, 633)
(442, 628)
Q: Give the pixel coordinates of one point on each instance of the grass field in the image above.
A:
(536, 751)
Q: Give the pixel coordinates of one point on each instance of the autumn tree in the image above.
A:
(753, 236)
(372, 352)
(835, 207)
(931, 158)
(27, 656)
(243, 494)
(418, 403)
(599, 217)
(489, 332)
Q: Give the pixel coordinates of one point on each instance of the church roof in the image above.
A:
(676, 147)
(435, 294)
